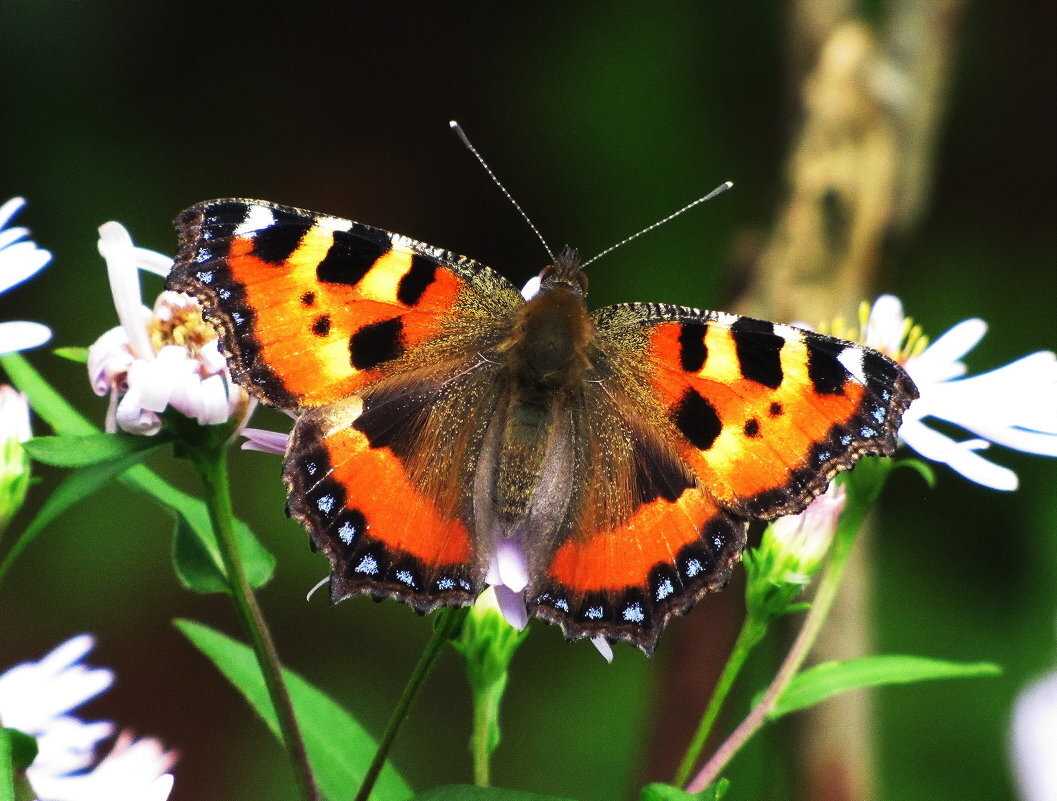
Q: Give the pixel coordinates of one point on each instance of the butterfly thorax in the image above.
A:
(546, 357)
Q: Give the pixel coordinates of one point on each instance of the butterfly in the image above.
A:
(452, 433)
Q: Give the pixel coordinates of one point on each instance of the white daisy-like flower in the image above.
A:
(1014, 405)
(166, 357)
(38, 697)
(20, 258)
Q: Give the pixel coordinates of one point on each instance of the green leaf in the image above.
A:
(919, 466)
(665, 792)
(466, 792)
(65, 419)
(816, 684)
(196, 567)
(23, 748)
(258, 561)
(77, 486)
(82, 450)
(339, 748)
(79, 355)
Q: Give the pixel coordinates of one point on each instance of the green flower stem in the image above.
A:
(441, 633)
(843, 541)
(752, 631)
(212, 467)
(485, 722)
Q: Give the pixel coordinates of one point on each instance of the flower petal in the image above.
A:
(115, 245)
(511, 606)
(603, 647)
(959, 456)
(21, 335)
(20, 261)
(259, 439)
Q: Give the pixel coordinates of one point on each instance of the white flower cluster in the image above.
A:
(38, 697)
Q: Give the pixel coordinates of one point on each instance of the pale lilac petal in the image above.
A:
(512, 564)
(14, 415)
(133, 418)
(159, 789)
(19, 335)
(260, 439)
(115, 245)
(68, 744)
(316, 586)
(215, 408)
(603, 647)
(1034, 741)
(511, 606)
(156, 378)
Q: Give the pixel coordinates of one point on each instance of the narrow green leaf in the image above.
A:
(666, 792)
(816, 684)
(77, 486)
(79, 355)
(338, 747)
(65, 419)
(467, 792)
(46, 402)
(82, 450)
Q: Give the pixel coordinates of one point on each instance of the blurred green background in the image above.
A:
(600, 119)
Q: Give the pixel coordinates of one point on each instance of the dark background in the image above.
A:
(600, 119)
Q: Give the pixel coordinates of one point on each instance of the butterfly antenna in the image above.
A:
(719, 190)
(465, 140)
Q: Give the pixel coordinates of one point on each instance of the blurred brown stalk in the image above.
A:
(869, 105)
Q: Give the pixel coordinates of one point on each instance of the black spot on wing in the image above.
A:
(692, 349)
(352, 254)
(321, 325)
(278, 241)
(392, 421)
(824, 369)
(416, 280)
(309, 298)
(376, 343)
(697, 419)
(752, 428)
(758, 349)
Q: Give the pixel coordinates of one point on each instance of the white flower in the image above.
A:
(1034, 740)
(19, 260)
(166, 357)
(1014, 405)
(38, 697)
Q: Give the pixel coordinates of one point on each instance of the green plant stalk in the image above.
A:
(212, 468)
(752, 631)
(441, 634)
(843, 541)
(485, 722)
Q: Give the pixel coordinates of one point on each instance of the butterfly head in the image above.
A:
(566, 273)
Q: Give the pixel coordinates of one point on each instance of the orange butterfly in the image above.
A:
(452, 434)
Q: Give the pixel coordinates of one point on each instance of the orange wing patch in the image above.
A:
(310, 308)
(379, 531)
(628, 581)
(769, 413)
